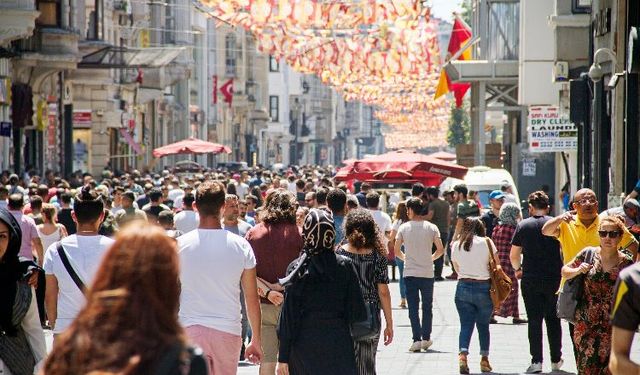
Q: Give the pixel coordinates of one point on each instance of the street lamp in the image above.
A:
(595, 71)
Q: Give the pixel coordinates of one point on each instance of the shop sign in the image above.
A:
(529, 167)
(81, 118)
(550, 130)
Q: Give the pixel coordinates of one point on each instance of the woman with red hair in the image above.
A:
(130, 322)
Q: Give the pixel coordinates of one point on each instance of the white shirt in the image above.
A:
(472, 264)
(85, 255)
(186, 221)
(242, 189)
(211, 265)
(175, 193)
(383, 221)
(292, 187)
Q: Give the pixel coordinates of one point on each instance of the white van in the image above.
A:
(484, 180)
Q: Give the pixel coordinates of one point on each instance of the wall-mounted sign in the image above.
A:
(5, 129)
(81, 118)
(551, 131)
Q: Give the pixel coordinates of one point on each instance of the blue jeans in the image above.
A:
(424, 286)
(403, 287)
(474, 308)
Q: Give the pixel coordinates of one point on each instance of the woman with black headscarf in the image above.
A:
(22, 344)
(322, 297)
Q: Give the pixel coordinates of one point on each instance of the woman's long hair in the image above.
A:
(362, 232)
(401, 212)
(471, 226)
(131, 313)
(280, 207)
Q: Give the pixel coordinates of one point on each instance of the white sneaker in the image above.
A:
(555, 366)
(415, 347)
(535, 368)
(426, 344)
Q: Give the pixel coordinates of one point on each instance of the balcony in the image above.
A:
(57, 47)
(17, 19)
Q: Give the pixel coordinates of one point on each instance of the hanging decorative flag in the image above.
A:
(227, 92)
(460, 35)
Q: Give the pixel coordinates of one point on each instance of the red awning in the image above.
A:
(191, 146)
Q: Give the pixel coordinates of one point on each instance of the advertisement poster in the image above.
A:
(551, 131)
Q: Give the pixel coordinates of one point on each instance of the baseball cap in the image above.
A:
(496, 194)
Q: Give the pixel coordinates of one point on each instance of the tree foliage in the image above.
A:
(459, 125)
(467, 11)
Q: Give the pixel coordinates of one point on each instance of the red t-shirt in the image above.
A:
(275, 247)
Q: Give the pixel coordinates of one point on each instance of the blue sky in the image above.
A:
(444, 8)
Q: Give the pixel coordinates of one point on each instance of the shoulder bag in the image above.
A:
(182, 360)
(369, 328)
(572, 292)
(500, 281)
(67, 265)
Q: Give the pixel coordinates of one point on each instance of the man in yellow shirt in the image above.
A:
(578, 229)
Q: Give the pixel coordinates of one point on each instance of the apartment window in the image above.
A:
(49, 13)
(274, 65)
(95, 17)
(231, 51)
(274, 108)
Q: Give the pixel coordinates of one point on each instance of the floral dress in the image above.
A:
(592, 332)
(502, 236)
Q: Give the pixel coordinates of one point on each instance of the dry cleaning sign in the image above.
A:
(550, 131)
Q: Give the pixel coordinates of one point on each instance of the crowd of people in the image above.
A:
(159, 273)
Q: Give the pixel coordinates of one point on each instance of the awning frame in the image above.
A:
(114, 57)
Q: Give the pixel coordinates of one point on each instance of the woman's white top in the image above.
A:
(49, 239)
(472, 264)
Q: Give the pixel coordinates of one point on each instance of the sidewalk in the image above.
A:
(509, 343)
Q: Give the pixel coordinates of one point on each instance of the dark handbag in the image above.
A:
(368, 328)
(182, 360)
(500, 281)
(572, 292)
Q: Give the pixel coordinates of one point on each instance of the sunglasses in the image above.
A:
(586, 201)
(611, 234)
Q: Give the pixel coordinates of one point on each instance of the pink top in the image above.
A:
(29, 232)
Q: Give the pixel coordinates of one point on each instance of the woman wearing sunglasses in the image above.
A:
(592, 333)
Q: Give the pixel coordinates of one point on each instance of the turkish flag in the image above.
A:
(227, 91)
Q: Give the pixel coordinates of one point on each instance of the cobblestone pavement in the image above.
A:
(509, 343)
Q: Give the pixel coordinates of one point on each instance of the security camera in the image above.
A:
(595, 72)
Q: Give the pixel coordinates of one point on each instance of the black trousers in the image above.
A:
(439, 263)
(540, 301)
(40, 292)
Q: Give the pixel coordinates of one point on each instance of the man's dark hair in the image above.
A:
(415, 204)
(417, 189)
(65, 198)
(165, 217)
(433, 191)
(155, 195)
(16, 201)
(461, 189)
(210, 198)
(43, 190)
(3, 190)
(88, 205)
(365, 187)
(251, 198)
(35, 202)
(130, 195)
(373, 199)
(119, 189)
(336, 200)
(300, 184)
(321, 195)
(539, 200)
(188, 199)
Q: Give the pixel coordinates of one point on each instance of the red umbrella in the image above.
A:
(191, 146)
(420, 166)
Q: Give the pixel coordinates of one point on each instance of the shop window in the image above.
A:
(274, 108)
(49, 13)
(231, 51)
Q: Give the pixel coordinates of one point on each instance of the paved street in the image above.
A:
(509, 345)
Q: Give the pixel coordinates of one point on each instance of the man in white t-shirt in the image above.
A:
(84, 250)
(418, 236)
(383, 221)
(214, 265)
(187, 219)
